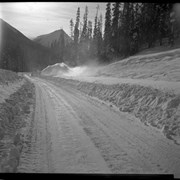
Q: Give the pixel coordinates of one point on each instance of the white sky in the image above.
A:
(37, 18)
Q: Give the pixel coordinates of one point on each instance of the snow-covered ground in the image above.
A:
(146, 86)
(15, 113)
(158, 66)
(89, 119)
(7, 90)
(159, 70)
(10, 82)
(74, 133)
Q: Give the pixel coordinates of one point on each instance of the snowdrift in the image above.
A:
(63, 70)
(57, 69)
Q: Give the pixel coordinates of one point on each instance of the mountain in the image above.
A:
(18, 53)
(53, 39)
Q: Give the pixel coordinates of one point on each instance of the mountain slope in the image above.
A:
(48, 40)
(18, 53)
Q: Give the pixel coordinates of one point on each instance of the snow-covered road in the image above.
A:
(74, 133)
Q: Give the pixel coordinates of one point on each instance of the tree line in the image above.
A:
(87, 40)
(128, 28)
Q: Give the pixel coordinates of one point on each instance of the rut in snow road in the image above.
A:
(73, 133)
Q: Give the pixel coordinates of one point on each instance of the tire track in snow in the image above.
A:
(76, 151)
(117, 159)
(58, 143)
(35, 158)
(147, 143)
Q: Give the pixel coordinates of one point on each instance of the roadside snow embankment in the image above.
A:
(8, 77)
(152, 106)
(9, 83)
(14, 117)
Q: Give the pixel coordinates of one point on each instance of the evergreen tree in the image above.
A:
(126, 29)
(76, 34)
(95, 35)
(172, 26)
(107, 30)
(84, 34)
(89, 30)
(99, 36)
(137, 26)
(130, 28)
(71, 29)
(95, 24)
(115, 26)
(84, 44)
(80, 30)
(76, 28)
(90, 44)
(62, 45)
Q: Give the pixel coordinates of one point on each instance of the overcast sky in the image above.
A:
(37, 18)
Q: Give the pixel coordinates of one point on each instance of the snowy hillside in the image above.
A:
(158, 66)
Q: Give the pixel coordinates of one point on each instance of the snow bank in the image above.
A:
(152, 106)
(55, 70)
(63, 70)
(8, 77)
(13, 114)
(9, 83)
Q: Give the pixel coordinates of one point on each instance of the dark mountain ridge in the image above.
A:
(18, 53)
(53, 39)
